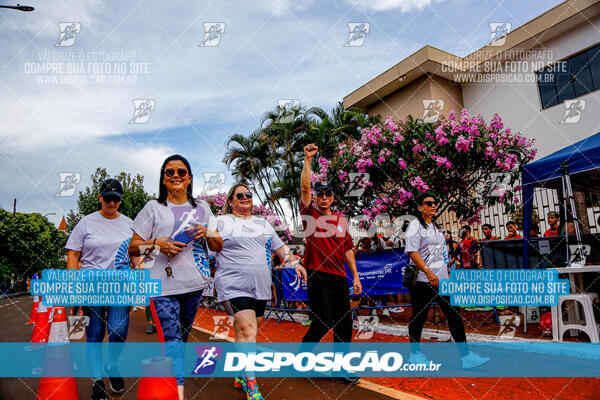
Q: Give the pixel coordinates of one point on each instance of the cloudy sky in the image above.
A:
(68, 108)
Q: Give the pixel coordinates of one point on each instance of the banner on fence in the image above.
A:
(380, 273)
(293, 289)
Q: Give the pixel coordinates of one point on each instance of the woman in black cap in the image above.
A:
(99, 241)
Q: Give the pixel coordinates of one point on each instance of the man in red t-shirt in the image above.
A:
(513, 234)
(487, 230)
(553, 220)
(466, 257)
(328, 246)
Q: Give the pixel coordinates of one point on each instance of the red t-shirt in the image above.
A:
(327, 239)
(488, 240)
(550, 233)
(513, 237)
(465, 252)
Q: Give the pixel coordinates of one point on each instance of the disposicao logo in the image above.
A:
(207, 359)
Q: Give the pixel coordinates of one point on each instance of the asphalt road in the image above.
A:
(14, 313)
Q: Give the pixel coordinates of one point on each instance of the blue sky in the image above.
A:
(270, 50)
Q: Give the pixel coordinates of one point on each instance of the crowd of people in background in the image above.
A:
(464, 252)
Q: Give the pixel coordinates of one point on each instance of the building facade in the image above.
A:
(542, 78)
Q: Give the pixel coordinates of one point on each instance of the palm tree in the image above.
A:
(271, 156)
(283, 130)
(328, 131)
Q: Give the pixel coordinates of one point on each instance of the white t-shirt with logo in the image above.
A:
(244, 264)
(99, 240)
(189, 270)
(431, 245)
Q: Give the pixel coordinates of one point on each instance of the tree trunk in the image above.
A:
(582, 215)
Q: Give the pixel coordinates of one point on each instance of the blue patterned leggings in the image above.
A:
(174, 316)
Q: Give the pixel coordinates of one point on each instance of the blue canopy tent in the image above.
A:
(577, 164)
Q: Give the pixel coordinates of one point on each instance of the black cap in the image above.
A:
(322, 185)
(111, 187)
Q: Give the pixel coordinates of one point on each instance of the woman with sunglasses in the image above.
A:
(99, 241)
(243, 274)
(177, 229)
(427, 249)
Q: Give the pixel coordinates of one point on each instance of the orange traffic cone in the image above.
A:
(59, 331)
(53, 388)
(41, 329)
(157, 388)
(57, 361)
(34, 308)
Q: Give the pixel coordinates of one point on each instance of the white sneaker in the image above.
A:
(473, 360)
(396, 310)
(385, 313)
(417, 358)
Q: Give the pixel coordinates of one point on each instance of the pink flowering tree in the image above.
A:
(217, 201)
(458, 159)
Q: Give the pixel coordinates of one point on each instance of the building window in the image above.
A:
(570, 78)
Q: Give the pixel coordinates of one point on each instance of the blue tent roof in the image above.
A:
(583, 157)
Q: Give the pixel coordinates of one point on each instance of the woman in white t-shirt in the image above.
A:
(243, 274)
(173, 233)
(99, 241)
(426, 246)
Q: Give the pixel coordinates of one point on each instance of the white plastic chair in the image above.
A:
(587, 325)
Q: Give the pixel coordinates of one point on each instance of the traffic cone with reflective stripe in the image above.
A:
(155, 383)
(34, 308)
(41, 329)
(59, 331)
(57, 361)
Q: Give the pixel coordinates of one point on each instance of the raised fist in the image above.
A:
(310, 150)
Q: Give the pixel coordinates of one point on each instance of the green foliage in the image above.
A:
(29, 243)
(134, 196)
(517, 216)
(271, 157)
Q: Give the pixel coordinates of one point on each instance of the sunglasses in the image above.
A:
(430, 203)
(240, 196)
(326, 193)
(181, 172)
(108, 199)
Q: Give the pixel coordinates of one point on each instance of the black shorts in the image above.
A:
(237, 304)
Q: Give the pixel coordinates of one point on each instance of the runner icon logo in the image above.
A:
(68, 183)
(142, 108)
(573, 111)
(77, 325)
(212, 183)
(222, 326)
(207, 359)
(68, 33)
(287, 110)
(212, 34)
(498, 32)
(357, 183)
(366, 327)
(358, 34)
(508, 325)
(432, 109)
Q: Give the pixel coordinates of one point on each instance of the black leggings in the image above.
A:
(329, 300)
(422, 295)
